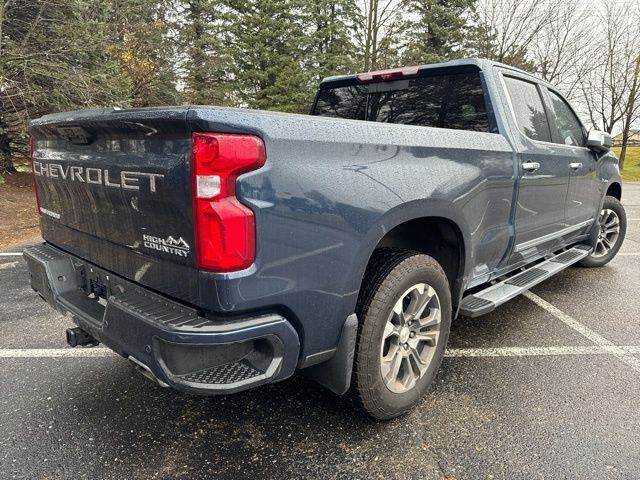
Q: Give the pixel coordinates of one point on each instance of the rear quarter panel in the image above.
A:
(331, 189)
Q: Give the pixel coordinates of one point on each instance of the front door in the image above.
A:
(585, 188)
(540, 216)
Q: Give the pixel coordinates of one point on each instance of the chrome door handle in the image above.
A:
(530, 166)
(575, 165)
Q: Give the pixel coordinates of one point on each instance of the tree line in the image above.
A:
(270, 54)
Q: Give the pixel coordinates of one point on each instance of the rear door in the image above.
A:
(543, 175)
(585, 188)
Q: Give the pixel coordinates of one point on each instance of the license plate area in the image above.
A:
(96, 284)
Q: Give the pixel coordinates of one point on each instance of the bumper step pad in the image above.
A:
(223, 374)
(488, 299)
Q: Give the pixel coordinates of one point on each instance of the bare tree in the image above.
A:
(632, 111)
(561, 49)
(611, 90)
(380, 23)
(507, 28)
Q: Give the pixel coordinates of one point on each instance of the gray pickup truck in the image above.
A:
(221, 249)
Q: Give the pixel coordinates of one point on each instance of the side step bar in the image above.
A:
(488, 299)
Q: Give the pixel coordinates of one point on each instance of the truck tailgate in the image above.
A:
(114, 187)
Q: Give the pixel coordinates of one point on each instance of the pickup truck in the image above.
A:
(221, 249)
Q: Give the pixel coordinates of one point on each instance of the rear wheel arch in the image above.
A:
(439, 237)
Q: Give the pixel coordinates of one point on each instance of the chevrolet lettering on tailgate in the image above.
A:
(98, 176)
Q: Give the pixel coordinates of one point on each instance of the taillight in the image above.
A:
(391, 74)
(224, 227)
(33, 174)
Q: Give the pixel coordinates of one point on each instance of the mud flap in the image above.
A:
(335, 373)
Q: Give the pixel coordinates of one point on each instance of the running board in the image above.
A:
(488, 299)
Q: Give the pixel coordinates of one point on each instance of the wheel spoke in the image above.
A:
(393, 367)
(394, 348)
(430, 338)
(612, 219)
(409, 377)
(420, 297)
(415, 355)
(389, 329)
(432, 319)
(397, 310)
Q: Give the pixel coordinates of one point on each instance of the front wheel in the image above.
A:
(405, 316)
(612, 227)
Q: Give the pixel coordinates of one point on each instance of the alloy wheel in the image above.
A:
(410, 338)
(608, 234)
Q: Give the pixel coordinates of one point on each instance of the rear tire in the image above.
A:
(404, 314)
(612, 229)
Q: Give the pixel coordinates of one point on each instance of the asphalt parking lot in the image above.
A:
(547, 386)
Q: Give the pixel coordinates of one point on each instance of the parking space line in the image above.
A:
(55, 352)
(618, 352)
(628, 254)
(99, 352)
(539, 351)
(11, 254)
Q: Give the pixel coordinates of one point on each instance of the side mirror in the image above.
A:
(599, 141)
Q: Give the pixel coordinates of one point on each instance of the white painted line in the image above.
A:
(633, 219)
(627, 254)
(99, 352)
(8, 265)
(538, 351)
(618, 352)
(55, 352)
(11, 254)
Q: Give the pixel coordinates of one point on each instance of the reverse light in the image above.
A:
(224, 227)
(207, 186)
(33, 175)
(391, 74)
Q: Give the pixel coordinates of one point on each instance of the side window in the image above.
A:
(571, 132)
(528, 109)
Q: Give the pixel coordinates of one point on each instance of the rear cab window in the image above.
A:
(441, 100)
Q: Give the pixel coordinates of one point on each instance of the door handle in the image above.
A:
(530, 166)
(575, 165)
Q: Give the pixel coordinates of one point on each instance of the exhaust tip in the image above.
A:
(146, 371)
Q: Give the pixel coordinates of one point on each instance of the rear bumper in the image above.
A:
(179, 347)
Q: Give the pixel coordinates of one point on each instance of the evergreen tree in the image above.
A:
(439, 31)
(331, 23)
(266, 40)
(206, 66)
(143, 51)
